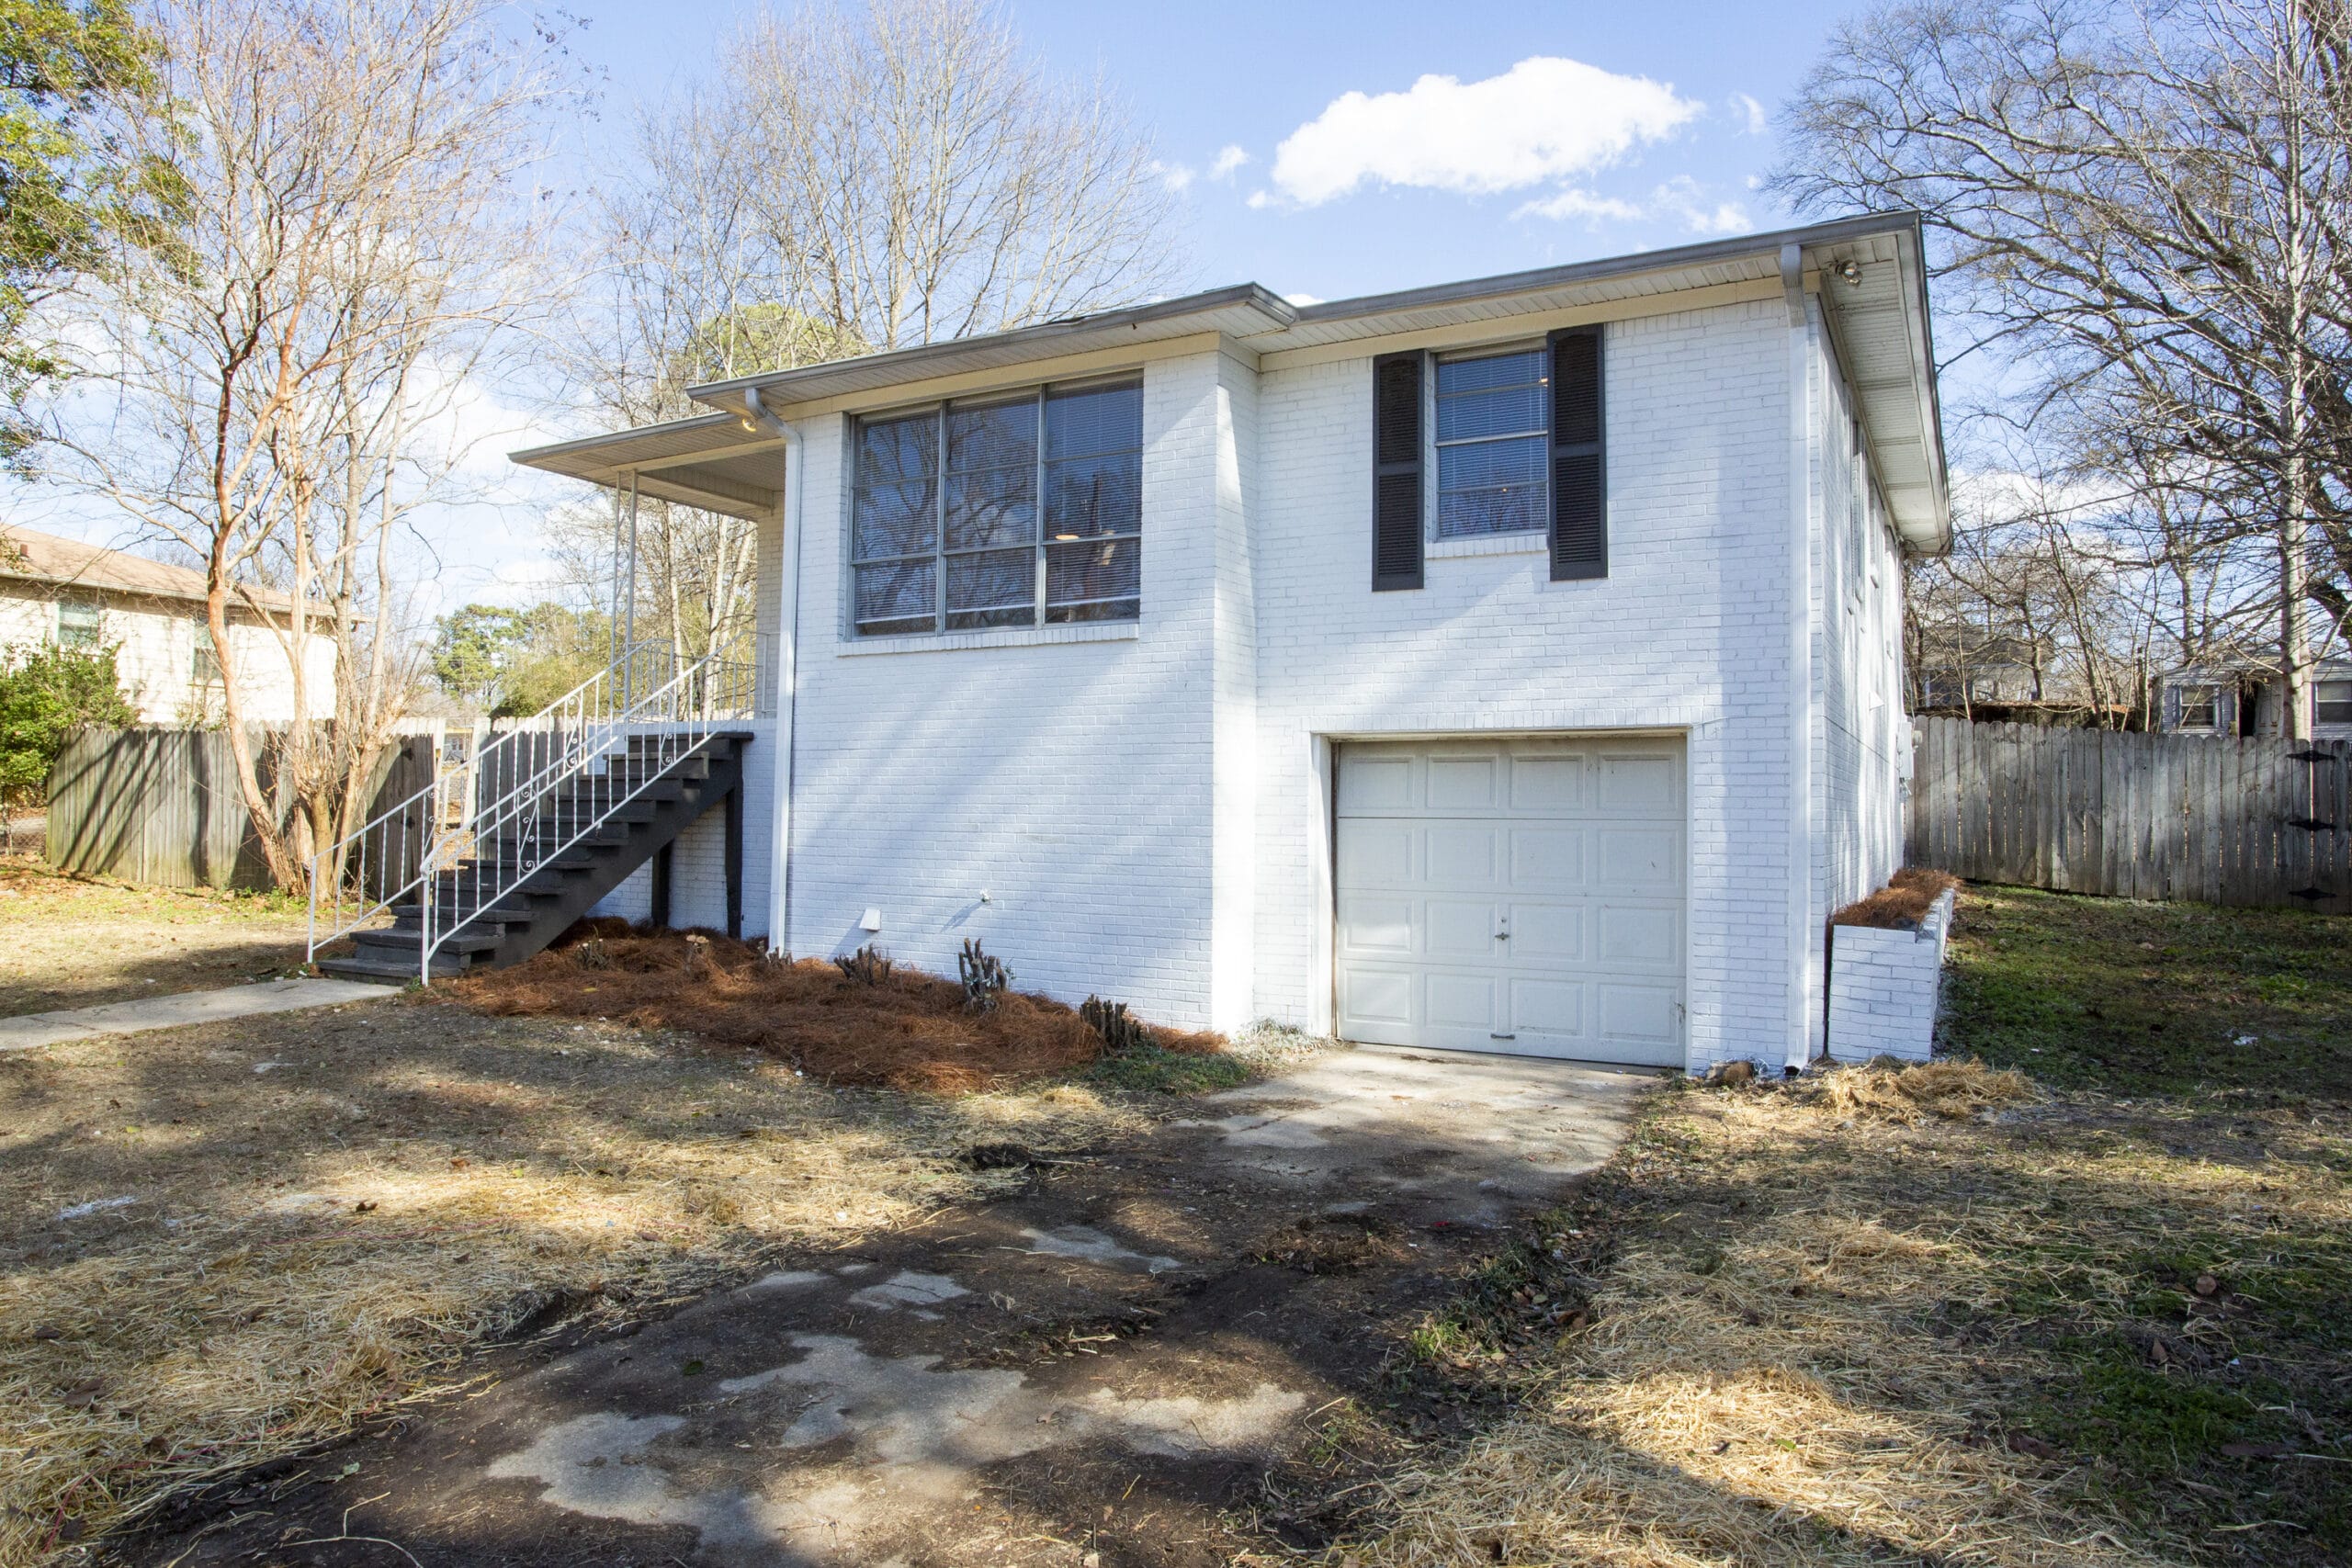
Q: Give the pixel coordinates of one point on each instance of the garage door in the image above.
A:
(1520, 895)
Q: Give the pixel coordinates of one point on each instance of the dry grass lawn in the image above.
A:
(1953, 1314)
(223, 1244)
(70, 941)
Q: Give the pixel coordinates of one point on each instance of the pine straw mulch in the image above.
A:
(304, 1220)
(1920, 1314)
(1903, 903)
(909, 1031)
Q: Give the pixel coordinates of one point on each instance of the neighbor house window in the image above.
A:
(2332, 702)
(1009, 511)
(204, 666)
(77, 622)
(2200, 706)
(1493, 438)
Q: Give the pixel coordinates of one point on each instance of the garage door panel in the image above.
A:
(1638, 858)
(1375, 782)
(1370, 995)
(1377, 853)
(1377, 923)
(1547, 934)
(1546, 860)
(1547, 784)
(1459, 930)
(1638, 1015)
(1520, 895)
(1462, 856)
(1649, 938)
(1463, 783)
(1640, 787)
(1551, 1008)
(1456, 1000)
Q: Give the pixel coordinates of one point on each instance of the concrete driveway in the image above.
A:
(1103, 1369)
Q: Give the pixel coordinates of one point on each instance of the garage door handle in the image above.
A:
(1502, 1036)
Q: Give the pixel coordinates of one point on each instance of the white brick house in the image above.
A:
(1569, 751)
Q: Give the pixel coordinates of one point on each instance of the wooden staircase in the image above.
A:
(507, 902)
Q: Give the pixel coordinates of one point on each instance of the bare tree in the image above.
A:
(847, 180)
(355, 239)
(2143, 206)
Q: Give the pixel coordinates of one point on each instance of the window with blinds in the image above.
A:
(1007, 512)
(1494, 439)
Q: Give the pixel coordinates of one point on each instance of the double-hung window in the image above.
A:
(1008, 512)
(2201, 708)
(1494, 440)
(79, 623)
(2332, 702)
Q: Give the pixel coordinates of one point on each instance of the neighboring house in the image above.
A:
(1963, 670)
(1510, 665)
(2236, 698)
(77, 596)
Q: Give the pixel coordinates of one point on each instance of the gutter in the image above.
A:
(787, 675)
(1800, 956)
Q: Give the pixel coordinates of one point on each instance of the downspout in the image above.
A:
(788, 676)
(1800, 933)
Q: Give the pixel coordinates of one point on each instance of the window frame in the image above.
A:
(1433, 446)
(203, 660)
(2211, 704)
(1042, 608)
(2319, 685)
(90, 634)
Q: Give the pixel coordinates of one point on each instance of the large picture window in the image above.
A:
(1494, 441)
(1008, 512)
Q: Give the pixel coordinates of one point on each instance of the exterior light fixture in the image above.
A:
(1850, 272)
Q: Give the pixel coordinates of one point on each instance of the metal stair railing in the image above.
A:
(531, 794)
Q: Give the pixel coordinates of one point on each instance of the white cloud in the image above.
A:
(1573, 203)
(1684, 198)
(1303, 298)
(1751, 114)
(1681, 199)
(1545, 118)
(1229, 159)
(1259, 198)
(1174, 176)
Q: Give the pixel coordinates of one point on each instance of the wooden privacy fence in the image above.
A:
(2216, 819)
(161, 806)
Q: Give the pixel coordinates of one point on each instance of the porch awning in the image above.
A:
(710, 461)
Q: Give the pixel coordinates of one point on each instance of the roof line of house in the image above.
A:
(1261, 321)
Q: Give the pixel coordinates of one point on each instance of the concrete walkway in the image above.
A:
(37, 1029)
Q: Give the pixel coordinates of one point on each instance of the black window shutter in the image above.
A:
(1395, 472)
(1579, 461)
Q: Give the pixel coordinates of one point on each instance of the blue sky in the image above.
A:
(1210, 76)
(1321, 150)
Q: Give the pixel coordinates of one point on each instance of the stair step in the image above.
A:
(395, 940)
(361, 967)
(508, 911)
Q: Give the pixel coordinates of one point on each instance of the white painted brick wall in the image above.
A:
(1690, 631)
(1147, 807)
(1070, 781)
(1885, 988)
(1859, 731)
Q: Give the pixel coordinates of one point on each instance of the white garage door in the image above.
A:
(1520, 895)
